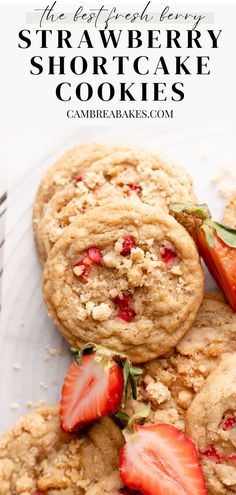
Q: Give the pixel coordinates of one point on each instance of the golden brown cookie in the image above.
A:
(230, 212)
(125, 173)
(127, 277)
(170, 383)
(211, 423)
(36, 455)
(68, 168)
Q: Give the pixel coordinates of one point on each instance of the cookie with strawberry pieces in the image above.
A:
(211, 423)
(38, 458)
(127, 277)
(83, 183)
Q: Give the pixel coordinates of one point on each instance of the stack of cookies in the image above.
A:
(119, 271)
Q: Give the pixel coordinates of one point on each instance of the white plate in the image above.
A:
(25, 327)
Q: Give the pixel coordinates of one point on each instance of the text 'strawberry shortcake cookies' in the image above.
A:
(127, 277)
(170, 383)
(37, 456)
(211, 423)
(230, 212)
(132, 174)
(66, 173)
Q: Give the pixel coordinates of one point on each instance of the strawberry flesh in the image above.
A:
(128, 244)
(133, 187)
(125, 312)
(212, 453)
(168, 254)
(95, 255)
(85, 272)
(232, 457)
(221, 262)
(123, 301)
(229, 423)
(79, 179)
(90, 391)
(159, 459)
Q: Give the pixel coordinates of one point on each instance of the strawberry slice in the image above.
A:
(91, 390)
(159, 459)
(216, 244)
(95, 385)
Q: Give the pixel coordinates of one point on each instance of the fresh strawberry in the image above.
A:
(216, 244)
(94, 386)
(159, 459)
(128, 244)
(94, 255)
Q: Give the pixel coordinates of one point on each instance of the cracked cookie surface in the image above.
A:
(79, 183)
(128, 278)
(36, 455)
(67, 169)
(170, 383)
(211, 423)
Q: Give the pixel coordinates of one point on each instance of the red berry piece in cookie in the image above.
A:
(159, 459)
(79, 179)
(81, 269)
(228, 423)
(212, 453)
(128, 244)
(95, 255)
(135, 188)
(125, 312)
(168, 253)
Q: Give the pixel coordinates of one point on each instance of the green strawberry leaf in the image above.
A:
(200, 211)
(123, 416)
(209, 235)
(144, 413)
(226, 234)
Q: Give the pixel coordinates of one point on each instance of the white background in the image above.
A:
(28, 99)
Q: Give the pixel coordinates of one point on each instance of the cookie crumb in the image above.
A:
(51, 352)
(16, 366)
(14, 405)
(101, 312)
(159, 392)
(43, 385)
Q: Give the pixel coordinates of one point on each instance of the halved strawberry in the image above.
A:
(95, 386)
(216, 244)
(159, 459)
